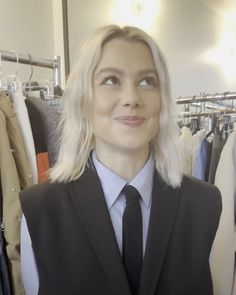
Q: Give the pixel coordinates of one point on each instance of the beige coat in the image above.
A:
(15, 175)
(16, 142)
(223, 252)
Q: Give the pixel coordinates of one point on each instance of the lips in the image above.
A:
(132, 121)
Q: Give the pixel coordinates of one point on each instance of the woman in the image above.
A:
(119, 132)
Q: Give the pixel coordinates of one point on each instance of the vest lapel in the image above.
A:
(89, 201)
(165, 202)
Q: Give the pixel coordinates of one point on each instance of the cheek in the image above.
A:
(104, 104)
(155, 109)
(102, 108)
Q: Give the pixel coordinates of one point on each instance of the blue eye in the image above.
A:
(111, 80)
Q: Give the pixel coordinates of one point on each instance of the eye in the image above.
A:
(110, 80)
(148, 81)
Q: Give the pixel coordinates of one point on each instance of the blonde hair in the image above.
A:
(77, 139)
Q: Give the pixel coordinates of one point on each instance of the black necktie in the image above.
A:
(132, 237)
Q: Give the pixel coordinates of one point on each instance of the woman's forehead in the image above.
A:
(120, 44)
(125, 53)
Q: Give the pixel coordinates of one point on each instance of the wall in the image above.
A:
(28, 27)
(198, 37)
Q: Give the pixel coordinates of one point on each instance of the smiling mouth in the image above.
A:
(132, 121)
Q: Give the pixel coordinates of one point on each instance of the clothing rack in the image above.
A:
(197, 114)
(54, 64)
(206, 98)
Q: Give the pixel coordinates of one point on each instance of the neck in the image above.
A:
(126, 164)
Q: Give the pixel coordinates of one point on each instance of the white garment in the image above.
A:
(29, 270)
(223, 251)
(24, 122)
(186, 143)
(190, 145)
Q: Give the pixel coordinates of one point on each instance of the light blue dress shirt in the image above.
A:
(112, 186)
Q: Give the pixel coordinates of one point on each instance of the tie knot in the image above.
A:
(131, 194)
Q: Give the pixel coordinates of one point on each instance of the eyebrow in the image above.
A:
(148, 71)
(121, 73)
(109, 70)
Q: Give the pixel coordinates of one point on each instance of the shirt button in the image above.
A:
(13, 189)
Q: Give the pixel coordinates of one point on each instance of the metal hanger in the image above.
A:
(3, 82)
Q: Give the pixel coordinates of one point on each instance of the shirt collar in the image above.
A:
(113, 184)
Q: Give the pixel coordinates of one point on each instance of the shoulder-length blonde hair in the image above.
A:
(77, 139)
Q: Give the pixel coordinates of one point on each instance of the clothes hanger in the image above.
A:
(195, 121)
(13, 81)
(213, 126)
(45, 87)
(31, 85)
(17, 64)
(31, 73)
(3, 81)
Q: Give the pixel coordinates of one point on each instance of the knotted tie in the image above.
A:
(132, 237)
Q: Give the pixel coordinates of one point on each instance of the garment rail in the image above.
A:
(54, 64)
(219, 112)
(206, 98)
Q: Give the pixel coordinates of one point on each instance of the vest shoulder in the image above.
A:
(201, 190)
(41, 191)
(189, 182)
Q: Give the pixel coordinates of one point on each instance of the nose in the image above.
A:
(131, 96)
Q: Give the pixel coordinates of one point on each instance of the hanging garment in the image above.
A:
(223, 251)
(51, 117)
(217, 146)
(194, 153)
(36, 123)
(16, 142)
(208, 161)
(199, 155)
(202, 158)
(23, 118)
(11, 207)
(186, 143)
(5, 287)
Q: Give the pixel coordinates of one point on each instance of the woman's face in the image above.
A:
(127, 101)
